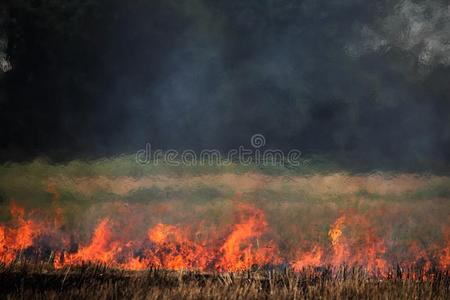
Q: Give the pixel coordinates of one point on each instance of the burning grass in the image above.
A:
(230, 235)
(222, 234)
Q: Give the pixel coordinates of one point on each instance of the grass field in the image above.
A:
(117, 229)
(100, 282)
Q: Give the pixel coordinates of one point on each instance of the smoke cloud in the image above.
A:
(340, 78)
(419, 27)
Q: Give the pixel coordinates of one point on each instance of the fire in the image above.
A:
(312, 258)
(444, 260)
(19, 237)
(339, 246)
(363, 247)
(173, 247)
(241, 249)
(102, 248)
(174, 250)
(249, 240)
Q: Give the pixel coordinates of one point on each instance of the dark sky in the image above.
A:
(362, 79)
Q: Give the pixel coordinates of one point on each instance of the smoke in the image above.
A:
(419, 27)
(342, 78)
(5, 65)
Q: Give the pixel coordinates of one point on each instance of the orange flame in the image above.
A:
(18, 238)
(308, 259)
(241, 249)
(367, 250)
(444, 260)
(339, 247)
(246, 243)
(102, 248)
(175, 250)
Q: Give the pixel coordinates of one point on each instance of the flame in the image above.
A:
(175, 250)
(444, 260)
(365, 249)
(241, 249)
(247, 241)
(19, 237)
(339, 247)
(312, 258)
(102, 248)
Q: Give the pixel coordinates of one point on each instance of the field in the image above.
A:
(99, 282)
(117, 229)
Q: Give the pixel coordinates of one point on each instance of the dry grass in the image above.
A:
(38, 281)
(300, 206)
(319, 185)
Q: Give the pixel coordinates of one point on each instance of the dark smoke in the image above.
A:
(365, 81)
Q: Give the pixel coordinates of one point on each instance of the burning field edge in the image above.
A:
(221, 233)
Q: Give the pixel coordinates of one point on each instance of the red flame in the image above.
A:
(308, 259)
(241, 249)
(174, 250)
(102, 248)
(246, 242)
(20, 236)
(444, 260)
(360, 248)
